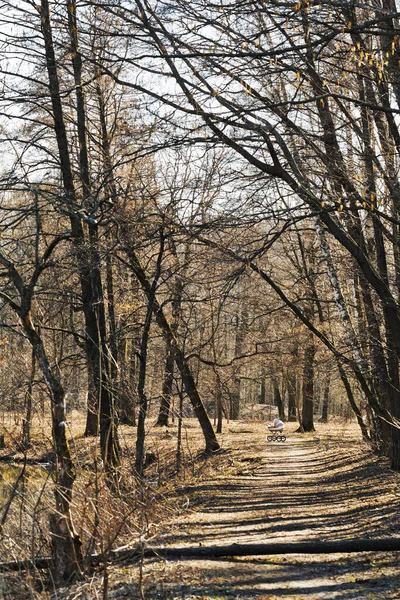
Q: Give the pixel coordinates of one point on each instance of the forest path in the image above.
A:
(308, 488)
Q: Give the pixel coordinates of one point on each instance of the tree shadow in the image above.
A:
(301, 492)
(320, 577)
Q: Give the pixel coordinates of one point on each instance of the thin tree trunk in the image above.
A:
(140, 440)
(27, 421)
(262, 390)
(278, 399)
(241, 319)
(179, 437)
(218, 402)
(112, 326)
(339, 299)
(307, 415)
(165, 404)
(92, 415)
(292, 391)
(325, 402)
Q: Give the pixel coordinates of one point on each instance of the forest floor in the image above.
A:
(321, 486)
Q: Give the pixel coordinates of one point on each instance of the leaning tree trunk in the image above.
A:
(389, 437)
(180, 359)
(379, 369)
(191, 390)
(65, 542)
(353, 404)
(141, 434)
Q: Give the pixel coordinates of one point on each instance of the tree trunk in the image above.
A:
(278, 399)
(114, 359)
(234, 396)
(241, 320)
(165, 404)
(27, 421)
(353, 404)
(86, 252)
(393, 365)
(218, 402)
(307, 417)
(395, 459)
(92, 414)
(325, 402)
(380, 374)
(66, 545)
(262, 391)
(201, 414)
(179, 436)
(127, 394)
(140, 440)
(292, 392)
(180, 360)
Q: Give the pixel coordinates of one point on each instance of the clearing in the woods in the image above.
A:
(322, 486)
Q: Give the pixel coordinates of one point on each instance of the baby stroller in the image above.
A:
(277, 434)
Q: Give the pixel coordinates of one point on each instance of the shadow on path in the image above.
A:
(301, 490)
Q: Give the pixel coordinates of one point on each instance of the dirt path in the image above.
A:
(323, 486)
(293, 492)
(305, 489)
